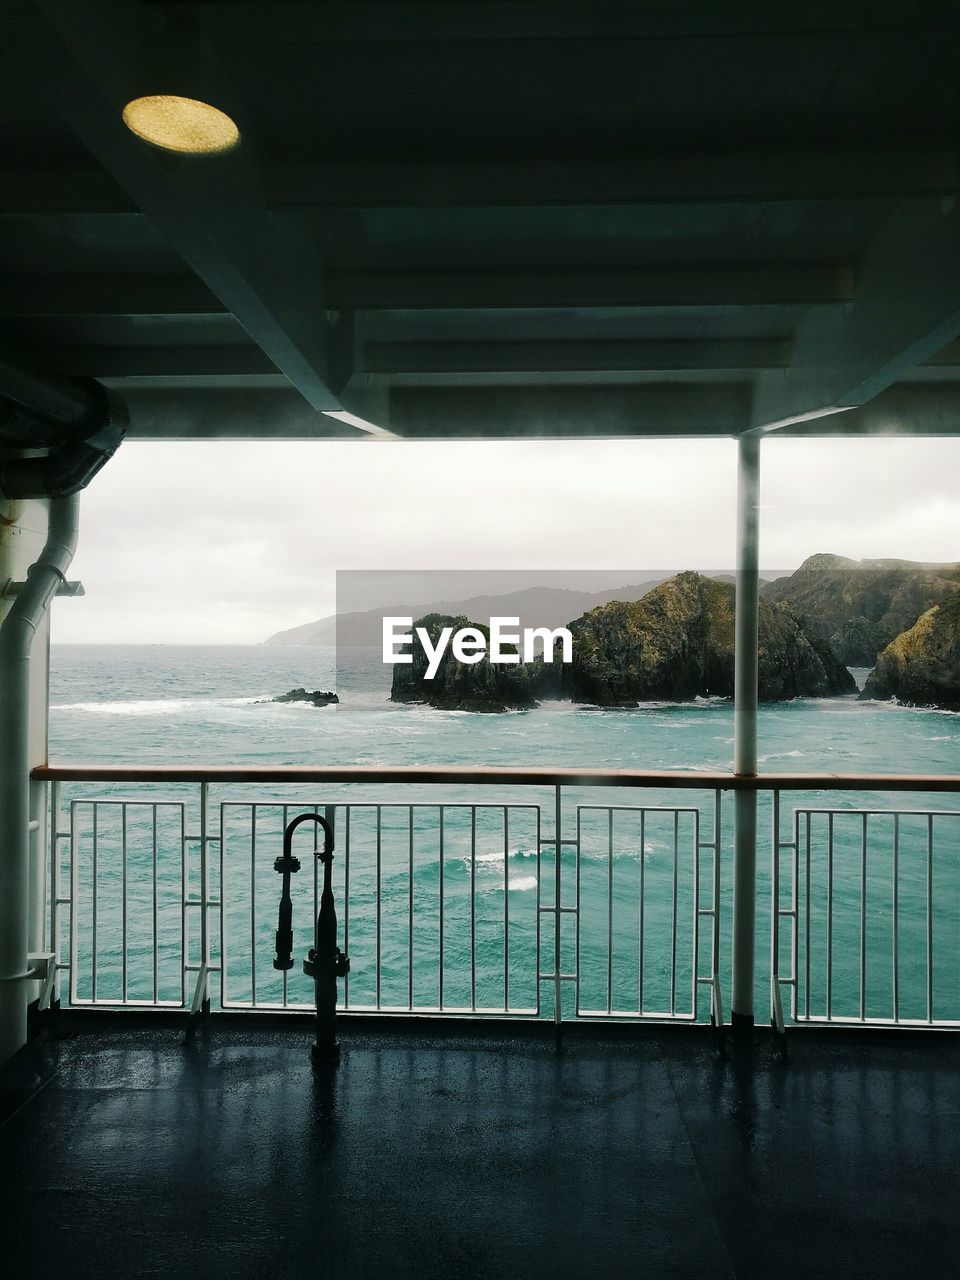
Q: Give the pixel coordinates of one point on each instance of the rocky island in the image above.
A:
(318, 698)
(461, 686)
(921, 667)
(676, 644)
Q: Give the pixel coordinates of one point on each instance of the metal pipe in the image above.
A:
(745, 731)
(17, 633)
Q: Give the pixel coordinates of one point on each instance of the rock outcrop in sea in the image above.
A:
(461, 686)
(318, 698)
(677, 644)
(859, 606)
(921, 667)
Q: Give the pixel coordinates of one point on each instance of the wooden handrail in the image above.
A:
(490, 775)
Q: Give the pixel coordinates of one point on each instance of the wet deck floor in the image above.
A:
(125, 1150)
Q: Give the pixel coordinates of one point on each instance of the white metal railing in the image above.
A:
(865, 916)
(554, 903)
(161, 900)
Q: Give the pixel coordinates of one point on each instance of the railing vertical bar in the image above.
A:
(863, 918)
(204, 892)
(443, 856)
(184, 922)
(473, 909)
(929, 917)
(224, 943)
(316, 892)
(74, 898)
(330, 813)
(284, 819)
(558, 822)
(829, 916)
(538, 917)
(576, 881)
(640, 923)
(253, 904)
(695, 970)
(123, 903)
(717, 831)
(673, 915)
(775, 910)
(379, 899)
(53, 797)
(610, 910)
(806, 910)
(410, 906)
(154, 906)
(506, 909)
(795, 920)
(896, 917)
(96, 833)
(347, 833)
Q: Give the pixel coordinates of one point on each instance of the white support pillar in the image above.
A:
(745, 732)
(37, 540)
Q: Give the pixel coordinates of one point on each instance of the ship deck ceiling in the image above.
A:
(623, 219)
(439, 1151)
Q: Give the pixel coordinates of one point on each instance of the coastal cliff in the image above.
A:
(921, 667)
(677, 644)
(860, 606)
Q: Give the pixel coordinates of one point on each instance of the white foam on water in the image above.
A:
(523, 883)
(152, 706)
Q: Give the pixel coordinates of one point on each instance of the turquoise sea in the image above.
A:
(460, 913)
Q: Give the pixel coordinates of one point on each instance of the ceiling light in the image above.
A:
(183, 125)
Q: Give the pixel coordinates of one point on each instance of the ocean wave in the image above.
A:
(518, 884)
(180, 706)
(523, 883)
(150, 706)
(496, 855)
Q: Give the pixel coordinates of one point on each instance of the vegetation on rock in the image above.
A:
(921, 667)
(677, 644)
(859, 606)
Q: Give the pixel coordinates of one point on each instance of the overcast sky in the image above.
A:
(228, 541)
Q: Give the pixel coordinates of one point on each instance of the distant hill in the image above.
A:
(534, 606)
(860, 606)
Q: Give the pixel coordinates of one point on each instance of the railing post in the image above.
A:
(205, 960)
(53, 789)
(745, 733)
(557, 917)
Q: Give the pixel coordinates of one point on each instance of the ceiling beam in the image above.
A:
(131, 295)
(439, 21)
(906, 309)
(36, 296)
(784, 174)
(605, 412)
(231, 413)
(584, 290)
(756, 176)
(93, 58)
(168, 361)
(389, 358)
(906, 409)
